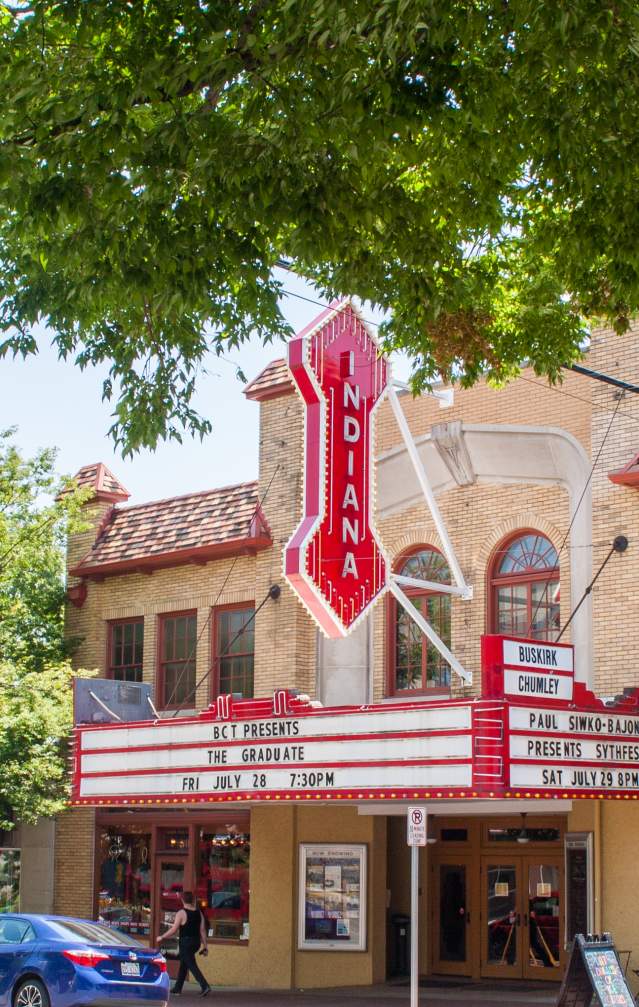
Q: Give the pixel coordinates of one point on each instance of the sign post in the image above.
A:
(416, 837)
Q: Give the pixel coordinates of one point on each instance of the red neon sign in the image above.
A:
(334, 560)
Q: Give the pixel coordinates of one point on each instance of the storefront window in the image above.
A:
(124, 901)
(9, 881)
(223, 881)
(332, 897)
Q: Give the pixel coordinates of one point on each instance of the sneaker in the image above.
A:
(205, 991)
(176, 993)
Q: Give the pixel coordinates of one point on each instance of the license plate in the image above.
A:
(130, 968)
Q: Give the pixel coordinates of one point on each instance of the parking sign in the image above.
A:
(416, 819)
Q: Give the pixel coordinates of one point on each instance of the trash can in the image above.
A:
(400, 944)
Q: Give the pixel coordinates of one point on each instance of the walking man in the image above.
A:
(190, 922)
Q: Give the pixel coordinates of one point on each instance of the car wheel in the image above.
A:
(31, 993)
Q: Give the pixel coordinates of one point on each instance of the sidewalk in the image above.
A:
(385, 995)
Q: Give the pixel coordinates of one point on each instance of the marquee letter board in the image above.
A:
(593, 968)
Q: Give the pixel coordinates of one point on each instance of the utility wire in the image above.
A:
(620, 544)
(191, 656)
(572, 395)
(272, 593)
(574, 516)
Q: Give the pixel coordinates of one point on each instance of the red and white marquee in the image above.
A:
(523, 738)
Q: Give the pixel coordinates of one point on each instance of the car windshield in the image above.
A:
(92, 933)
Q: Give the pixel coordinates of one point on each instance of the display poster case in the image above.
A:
(332, 891)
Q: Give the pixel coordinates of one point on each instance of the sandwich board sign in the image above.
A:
(594, 970)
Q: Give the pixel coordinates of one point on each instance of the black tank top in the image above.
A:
(190, 931)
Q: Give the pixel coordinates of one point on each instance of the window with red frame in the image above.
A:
(126, 646)
(416, 664)
(234, 650)
(178, 640)
(525, 587)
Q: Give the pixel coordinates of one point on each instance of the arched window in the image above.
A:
(415, 665)
(525, 587)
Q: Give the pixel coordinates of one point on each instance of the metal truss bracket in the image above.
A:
(460, 588)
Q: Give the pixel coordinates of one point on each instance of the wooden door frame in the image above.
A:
(521, 862)
(453, 858)
(472, 850)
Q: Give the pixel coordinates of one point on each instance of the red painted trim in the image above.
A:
(261, 766)
(275, 391)
(256, 796)
(159, 673)
(214, 678)
(178, 557)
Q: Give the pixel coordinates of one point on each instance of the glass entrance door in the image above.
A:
(521, 917)
(170, 876)
(501, 953)
(542, 918)
(452, 917)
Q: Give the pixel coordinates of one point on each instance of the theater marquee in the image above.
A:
(521, 738)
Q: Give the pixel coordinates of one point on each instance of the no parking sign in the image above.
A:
(416, 819)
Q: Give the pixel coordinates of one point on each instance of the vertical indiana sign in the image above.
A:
(334, 560)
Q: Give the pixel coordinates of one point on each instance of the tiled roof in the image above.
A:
(191, 528)
(105, 484)
(273, 381)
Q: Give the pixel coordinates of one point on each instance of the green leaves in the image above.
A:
(470, 168)
(36, 716)
(33, 527)
(37, 509)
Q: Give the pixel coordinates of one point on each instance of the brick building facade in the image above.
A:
(524, 464)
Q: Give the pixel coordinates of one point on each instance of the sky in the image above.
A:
(55, 404)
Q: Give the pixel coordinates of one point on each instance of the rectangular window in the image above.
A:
(124, 901)
(222, 888)
(178, 640)
(126, 645)
(332, 892)
(234, 650)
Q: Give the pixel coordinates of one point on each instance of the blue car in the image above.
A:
(54, 961)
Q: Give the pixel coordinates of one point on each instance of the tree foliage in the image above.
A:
(468, 167)
(36, 509)
(36, 716)
(35, 676)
